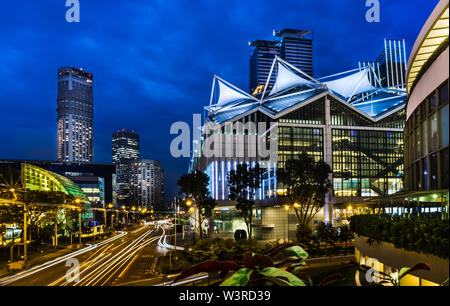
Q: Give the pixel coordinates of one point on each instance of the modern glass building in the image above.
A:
(297, 48)
(427, 129)
(35, 178)
(75, 115)
(262, 53)
(347, 119)
(93, 187)
(99, 179)
(125, 149)
(147, 183)
(294, 46)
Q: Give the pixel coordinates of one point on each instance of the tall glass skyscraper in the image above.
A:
(147, 183)
(75, 115)
(262, 53)
(125, 149)
(294, 46)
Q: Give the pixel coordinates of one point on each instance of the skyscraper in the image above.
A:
(75, 115)
(294, 46)
(125, 148)
(262, 53)
(147, 183)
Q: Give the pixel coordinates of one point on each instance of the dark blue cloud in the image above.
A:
(153, 61)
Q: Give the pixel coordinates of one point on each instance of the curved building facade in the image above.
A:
(39, 179)
(426, 132)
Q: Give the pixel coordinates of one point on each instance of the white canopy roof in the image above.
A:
(287, 79)
(351, 85)
(228, 94)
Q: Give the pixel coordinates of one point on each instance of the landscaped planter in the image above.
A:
(398, 258)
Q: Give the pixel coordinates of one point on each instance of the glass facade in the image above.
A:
(367, 163)
(295, 140)
(125, 149)
(147, 183)
(366, 156)
(75, 115)
(426, 142)
(36, 178)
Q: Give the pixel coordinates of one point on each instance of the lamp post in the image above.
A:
(286, 207)
(78, 201)
(110, 206)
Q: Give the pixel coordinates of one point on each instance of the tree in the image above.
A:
(243, 184)
(195, 186)
(306, 182)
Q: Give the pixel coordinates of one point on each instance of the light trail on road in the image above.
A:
(10, 279)
(100, 264)
(110, 267)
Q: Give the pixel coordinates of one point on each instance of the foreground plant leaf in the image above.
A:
(210, 266)
(275, 281)
(275, 272)
(420, 266)
(262, 261)
(294, 251)
(272, 252)
(239, 278)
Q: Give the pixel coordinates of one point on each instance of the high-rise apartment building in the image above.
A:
(75, 115)
(147, 183)
(125, 149)
(294, 46)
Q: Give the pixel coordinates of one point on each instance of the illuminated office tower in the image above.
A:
(125, 148)
(75, 115)
(297, 48)
(262, 54)
(294, 46)
(147, 183)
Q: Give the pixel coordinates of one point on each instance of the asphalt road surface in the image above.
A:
(121, 259)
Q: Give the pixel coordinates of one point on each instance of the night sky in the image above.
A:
(153, 61)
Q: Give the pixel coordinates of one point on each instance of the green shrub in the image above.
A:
(419, 234)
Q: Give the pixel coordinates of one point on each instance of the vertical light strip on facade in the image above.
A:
(223, 181)
(392, 69)
(216, 178)
(406, 60)
(401, 61)
(396, 61)
(387, 66)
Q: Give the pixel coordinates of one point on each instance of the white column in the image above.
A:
(328, 158)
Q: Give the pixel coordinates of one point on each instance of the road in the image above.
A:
(110, 262)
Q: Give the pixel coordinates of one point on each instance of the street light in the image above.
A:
(78, 201)
(286, 207)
